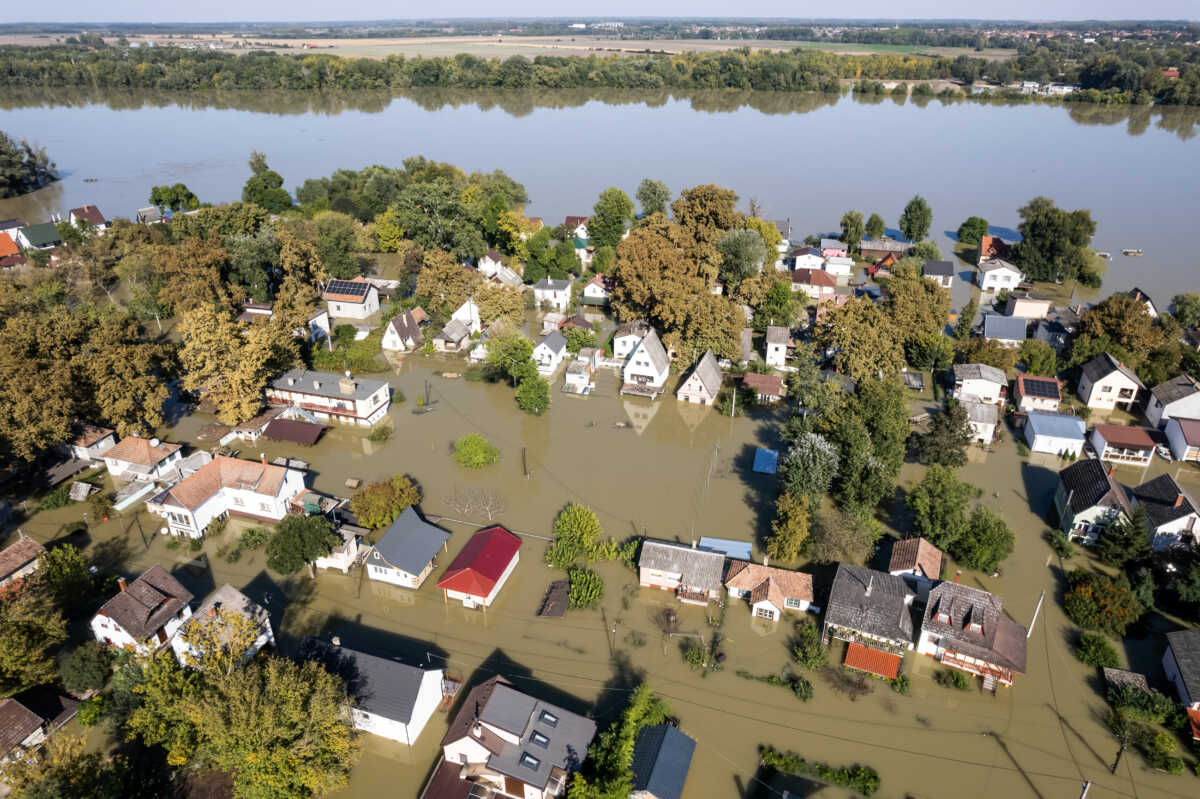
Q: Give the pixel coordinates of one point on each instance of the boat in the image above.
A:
(1132, 253)
(1105, 255)
(451, 375)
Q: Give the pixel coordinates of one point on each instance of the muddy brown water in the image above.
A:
(677, 472)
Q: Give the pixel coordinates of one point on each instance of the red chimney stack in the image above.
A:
(121, 583)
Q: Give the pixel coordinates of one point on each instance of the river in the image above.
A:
(804, 157)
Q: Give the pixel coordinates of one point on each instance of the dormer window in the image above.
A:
(539, 740)
(529, 761)
(975, 627)
(943, 617)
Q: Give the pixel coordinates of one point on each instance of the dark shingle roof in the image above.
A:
(385, 687)
(998, 640)
(1176, 388)
(938, 269)
(709, 373)
(662, 756)
(1103, 365)
(1007, 328)
(980, 371)
(1088, 484)
(871, 602)
(17, 723)
(1163, 500)
(148, 602)
(1186, 646)
(411, 542)
(699, 568)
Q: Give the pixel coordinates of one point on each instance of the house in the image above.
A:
(584, 251)
(839, 267)
(1058, 328)
(1055, 433)
(805, 258)
(144, 615)
(44, 236)
(776, 346)
(27, 719)
(318, 327)
(489, 263)
(225, 486)
(330, 397)
(402, 334)
(479, 571)
(351, 299)
(1008, 331)
(982, 418)
(92, 442)
(979, 381)
(645, 371)
(770, 591)
(549, 352)
(577, 226)
(1118, 443)
(137, 458)
(597, 291)
(766, 388)
(1027, 306)
(1138, 295)
(870, 610)
(10, 253)
(693, 574)
(1178, 397)
(833, 247)
(404, 554)
(941, 272)
(149, 215)
(345, 554)
(553, 293)
(1089, 500)
(19, 559)
(225, 599)
(9, 227)
(965, 628)
(1170, 510)
(882, 269)
(628, 336)
(468, 315)
(882, 248)
(1181, 662)
(1105, 382)
(453, 337)
(1183, 435)
(1032, 393)
(391, 699)
(997, 274)
(507, 276)
(88, 216)
(815, 283)
(662, 756)
(918, 562)
(509, 743)
(702, 385)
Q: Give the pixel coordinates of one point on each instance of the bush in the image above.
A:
(587, 588)
(861, 779)
(798, 683)
(577, 535)
(1060, 543)
(953, 678)
(255, 538)
(58, 498)
(901, 685)
(1097, 601)
(1143, 705)
(92, 710)
(473, 451)
(380, 433)
(1095, 650)
(1022, 449)
(806, 646)
(695, 655)
(85, 668)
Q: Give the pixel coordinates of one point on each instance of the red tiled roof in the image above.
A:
(1128, 437)
(8, 246)
(1194, 718)
(90, 213)
(479, 565)
(872, 661)
(771, 385)
(814, 277)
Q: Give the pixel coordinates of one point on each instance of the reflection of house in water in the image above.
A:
(693, 415)
(389, 592)
(640, 412)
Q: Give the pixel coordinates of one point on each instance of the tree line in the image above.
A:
(23, 167)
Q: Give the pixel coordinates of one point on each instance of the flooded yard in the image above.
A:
(675, 472)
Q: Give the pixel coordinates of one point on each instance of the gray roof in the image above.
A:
(635, 327)
(784, 226)
(992, 264)
(382, 686)
(147, 603)
(565, 736)
(1009, 328)
(980, 371)
(981, 412)
(325, 384)
(832, 244)
(406, 326)
(746, 342)
(700, 568)
(1163, 500)
(546, 284)
(1088, 484)
(454, 331)
(1186, 646)
(229, 598)
(655, 351)
(709, 373)
(870, 602)
(1175, 389)
(777, 335)
(938, 268)
(999, 640)
(1103, 365)
(410, 542)
(554, 340)
(1056, 425)
(662, 756)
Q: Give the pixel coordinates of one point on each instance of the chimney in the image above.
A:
(336, 641)
(766, 560)
(121, 583)
(957, 575)
(262, 456)
(870, 585)
(317, 385)
(1179, 499)
(212, 612)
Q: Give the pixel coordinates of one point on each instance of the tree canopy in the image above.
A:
(1054, 242)
(299, 540)
(23, 167)
(915, 220)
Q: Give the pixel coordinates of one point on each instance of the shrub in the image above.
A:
(953, 678)
(92, 710)
(1097, 601)
(1143, 705)
(901, 685)
(1095, 650)
(473, 451)
(587, 588)
(1060, 543)
(380, 433)
(798, 683)
(255, 538)
(695, 655)
(576, 535)
(806, 646)
(1022, 449)
(861, 779)
(58, 498)
(85, 668)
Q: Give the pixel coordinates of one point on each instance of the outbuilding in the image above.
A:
(1055, 433)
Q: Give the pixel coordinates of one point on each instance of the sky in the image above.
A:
(306, 10)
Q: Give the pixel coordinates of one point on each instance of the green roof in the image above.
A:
(579, 243)
(42, 235)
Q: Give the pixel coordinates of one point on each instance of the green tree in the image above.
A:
(31, 627)
(915, 220)
(790, 529)
(778, 306)
(939, 506)
(769, 232)
(610, 757)
(217, 645)
(809, 467)
(166, 696)
(23, 168)
(743, 254)
(299, 540)
(966, 318)
(177, 197)
(852, 230)
(985, 543)
(1186, 309)
(580, 337)
(863, 338)
(930, 352)
(576, 534)
(972, 230)
(1039, 357)
(126, 374)
(917, 307)
(926, 251)
(336, 239)
(533, 395)
(63, 766)
(473, 451)
(839, 537)
(586, 589)
(378, 505)
(807, 648)
(1097, 651)
(653, 196)
(1127, 541)
(987, 351)
(63, 573)
(611, 213)
(510, 355)
(875, 227)
(87, 667)
(265, 186)
(948, 438)
(1097, 601)
(1054, 241)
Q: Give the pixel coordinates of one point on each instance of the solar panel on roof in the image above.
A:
(1040, 388)
(351, 288)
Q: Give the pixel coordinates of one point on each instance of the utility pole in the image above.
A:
(1087, 786)
(1035, 614)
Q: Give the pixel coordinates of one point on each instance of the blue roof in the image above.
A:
(739, 550)
(766, 461)
(1057, 425)
(662, 756)
(1010, 328)
(411, 542)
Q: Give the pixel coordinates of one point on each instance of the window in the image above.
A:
(529, 761)
(549, 719)
(263, 506)
(765, 613)
(944, 618)
(792, 603)
(239, 501)
(540, 740)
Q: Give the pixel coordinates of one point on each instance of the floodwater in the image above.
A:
(806, 157)
(676, 472)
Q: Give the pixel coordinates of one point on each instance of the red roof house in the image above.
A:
(480, 569)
